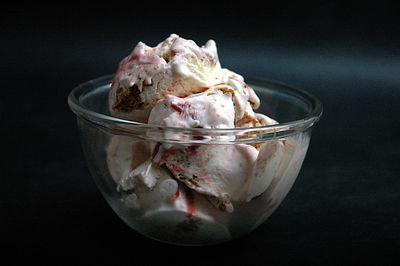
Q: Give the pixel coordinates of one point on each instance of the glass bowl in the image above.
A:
(170, 202)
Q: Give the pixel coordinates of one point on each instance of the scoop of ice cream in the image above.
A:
(159, 200)
(219, 171)
(211, 109)
(176, 67)
(215, 108)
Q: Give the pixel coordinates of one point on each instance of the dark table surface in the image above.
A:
(344, 207)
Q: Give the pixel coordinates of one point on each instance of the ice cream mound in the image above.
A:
(179, 84)
(178, 67)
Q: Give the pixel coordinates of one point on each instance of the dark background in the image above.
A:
(345, 205)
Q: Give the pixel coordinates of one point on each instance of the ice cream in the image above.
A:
(175, 67)
(179, 84)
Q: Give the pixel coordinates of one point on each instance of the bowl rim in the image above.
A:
(264, 132)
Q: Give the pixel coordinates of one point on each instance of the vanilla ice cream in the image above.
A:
(179, 84)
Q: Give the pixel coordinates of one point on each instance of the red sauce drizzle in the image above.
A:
(190, 207)
(176, 195)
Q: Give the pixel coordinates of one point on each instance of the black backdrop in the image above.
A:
(345, 205)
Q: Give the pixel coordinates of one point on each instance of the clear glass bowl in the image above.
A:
(260, 164)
